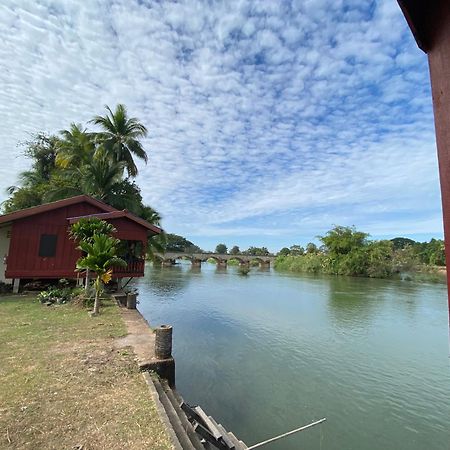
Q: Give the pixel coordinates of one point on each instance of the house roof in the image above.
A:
(27, 212)
(108, 211)
(117, 214)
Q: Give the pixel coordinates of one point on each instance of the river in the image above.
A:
(269, 352)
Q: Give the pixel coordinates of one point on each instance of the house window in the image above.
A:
(47, 245)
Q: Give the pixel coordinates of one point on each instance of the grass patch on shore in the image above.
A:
(64, 384)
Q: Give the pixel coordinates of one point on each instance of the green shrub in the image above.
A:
(58, 295)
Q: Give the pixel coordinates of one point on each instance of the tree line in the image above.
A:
(347, 251)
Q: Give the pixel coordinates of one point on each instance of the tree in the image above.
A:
(256, 251)
(41, 149)
(235, 250)
(284, 252)
(342, 240)
(221, 249)
(296, 250)
(401, 242)
(76, 147)
(101, 256)
(176, 243)
(120, 137)
(150, 215)
(311, 248)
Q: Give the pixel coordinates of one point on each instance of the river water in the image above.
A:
(269, 352)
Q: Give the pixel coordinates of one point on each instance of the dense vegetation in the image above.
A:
(96, 163)
(77, 161)
(346, 251)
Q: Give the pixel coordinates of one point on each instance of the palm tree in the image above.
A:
(120, 137)
(84, 231)
(100, 178)
(76, 147)
(150, 215)
(101, 257)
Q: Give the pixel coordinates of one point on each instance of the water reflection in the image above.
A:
(166, 281)
(353, 303)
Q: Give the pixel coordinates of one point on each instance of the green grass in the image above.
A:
(63, 382)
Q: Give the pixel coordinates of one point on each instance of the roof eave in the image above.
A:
(414, 24)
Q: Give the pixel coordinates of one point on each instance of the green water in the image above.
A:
(270, 352)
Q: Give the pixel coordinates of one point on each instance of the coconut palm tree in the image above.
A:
(120, 137)
(100, 178)
(101, 257)
(76, 147)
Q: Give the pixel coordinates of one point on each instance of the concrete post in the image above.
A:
(16, 285)
(163, 342)
(131, 301)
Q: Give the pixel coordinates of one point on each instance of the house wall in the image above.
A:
(5, 232)
(129, 230)
(24, 260)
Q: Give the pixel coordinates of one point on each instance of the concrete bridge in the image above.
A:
(196, 259)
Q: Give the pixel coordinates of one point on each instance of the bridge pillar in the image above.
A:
(222, 263)
(196, 263)
(264, 264)
(244, 264)
(167, 263)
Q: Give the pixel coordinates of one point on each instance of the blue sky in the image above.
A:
(268, 121)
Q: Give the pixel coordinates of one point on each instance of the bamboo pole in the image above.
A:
(276, 438)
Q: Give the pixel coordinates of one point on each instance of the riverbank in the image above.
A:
(64, 383)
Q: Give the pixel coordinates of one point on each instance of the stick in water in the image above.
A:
(287, 434)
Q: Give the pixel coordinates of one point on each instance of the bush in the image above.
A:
(58, 294)
(310, 263)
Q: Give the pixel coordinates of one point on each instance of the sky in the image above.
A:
(269, 121)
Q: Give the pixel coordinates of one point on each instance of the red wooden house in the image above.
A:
(35, 244)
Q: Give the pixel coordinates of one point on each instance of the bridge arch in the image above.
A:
(238, 258)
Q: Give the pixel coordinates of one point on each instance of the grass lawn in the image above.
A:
(64, 385)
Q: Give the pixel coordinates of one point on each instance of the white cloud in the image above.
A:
(257, 111)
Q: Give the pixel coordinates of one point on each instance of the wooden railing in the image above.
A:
(132, 267)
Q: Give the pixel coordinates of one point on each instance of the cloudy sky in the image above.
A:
(269, 121)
